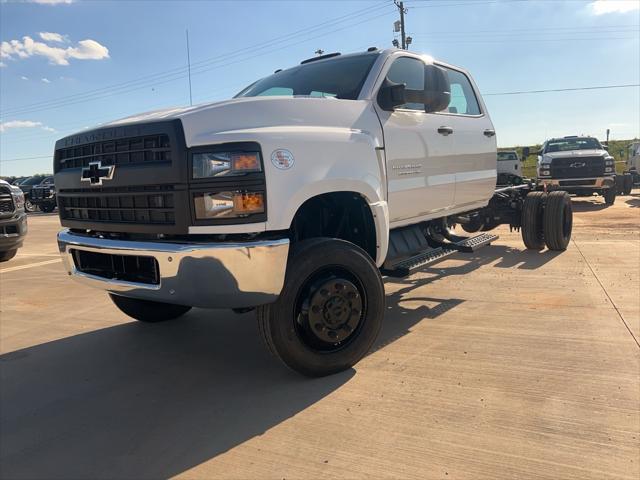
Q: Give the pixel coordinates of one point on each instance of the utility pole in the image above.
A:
(189, 68)
(403, 10)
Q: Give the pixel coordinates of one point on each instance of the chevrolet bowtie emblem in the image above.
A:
(95, 173)
(578, 165)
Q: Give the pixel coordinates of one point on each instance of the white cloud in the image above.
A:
(24, 78)
(46, 80)
(5, 126)
(53, 37)
(28, 47)
(601, 7)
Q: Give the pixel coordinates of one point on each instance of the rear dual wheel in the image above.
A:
(330, 310)
(547, 219)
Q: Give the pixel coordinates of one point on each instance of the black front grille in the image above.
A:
(129, 268)
(125, 151)
(145, 206)
(6, 201)
(40, 193)
(577, 167)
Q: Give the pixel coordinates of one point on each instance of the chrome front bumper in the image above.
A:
(209, 275)
(568, 183)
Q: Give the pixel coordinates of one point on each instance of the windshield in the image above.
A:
(566, 144)
(507, 156)
(32, 181)
(339, 77)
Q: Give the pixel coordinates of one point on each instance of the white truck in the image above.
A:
(294, 198)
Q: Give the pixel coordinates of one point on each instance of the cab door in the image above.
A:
(418, 150)
(475, 142)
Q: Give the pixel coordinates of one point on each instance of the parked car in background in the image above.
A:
(43, 195)
(26, 186)
(509, 168)
(579, 165)
(13, 220)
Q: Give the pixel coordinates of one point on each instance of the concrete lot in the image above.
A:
(502, 364)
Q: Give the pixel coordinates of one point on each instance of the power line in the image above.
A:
(600, 87)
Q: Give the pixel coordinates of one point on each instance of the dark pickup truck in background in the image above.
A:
(43, 195)
(13, 220)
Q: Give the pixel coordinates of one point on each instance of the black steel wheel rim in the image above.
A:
(330, 309)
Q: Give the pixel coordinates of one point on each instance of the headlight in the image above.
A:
(206, 165)
(608, 161)
(545, 173)
(228, 204)
(18, 197)
(608, 169)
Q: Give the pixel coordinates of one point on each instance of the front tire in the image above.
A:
(29, 206)
(558, 221)
(148, 311)
(627, 184)
(330, 310)
(8, 255)
(532, 221)
(610, 196)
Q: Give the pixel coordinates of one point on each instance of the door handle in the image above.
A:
(489, 133)
(445, 131)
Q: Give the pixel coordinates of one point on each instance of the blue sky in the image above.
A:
(86, 62)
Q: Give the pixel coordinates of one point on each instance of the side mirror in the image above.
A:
(437, 89)
(540, 152)
(525, 152)
(391, 95)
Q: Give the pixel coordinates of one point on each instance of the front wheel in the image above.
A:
(330, 310)
(148, 311)
(29, 206)
(627, 185)
(8, 255)
(610, 196)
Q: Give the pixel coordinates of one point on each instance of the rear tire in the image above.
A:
(532, 221)
(628, 184)
(8, 255)
(609, 196)
(558, 221)
(330, 310)
(148, 311)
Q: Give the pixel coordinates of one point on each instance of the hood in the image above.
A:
(202, 123)
(576, 153)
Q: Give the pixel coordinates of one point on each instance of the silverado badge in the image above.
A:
(95, 173)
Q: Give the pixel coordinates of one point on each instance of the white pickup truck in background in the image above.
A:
(294, 198)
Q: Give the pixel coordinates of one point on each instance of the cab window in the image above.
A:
(463, 98)
(409, 71)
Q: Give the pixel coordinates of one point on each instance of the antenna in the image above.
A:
(189, 68)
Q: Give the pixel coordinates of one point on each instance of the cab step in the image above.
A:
(405, 267)
(471, 244)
